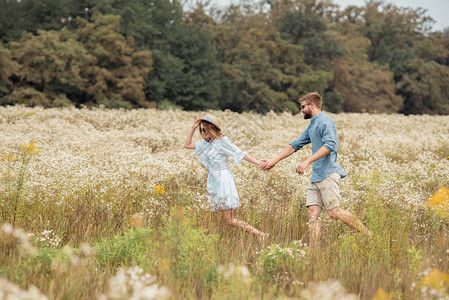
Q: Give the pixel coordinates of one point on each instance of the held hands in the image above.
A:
(270, 163)
(267, 164)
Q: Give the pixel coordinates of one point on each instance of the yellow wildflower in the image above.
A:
(159, 189)
(381, 294)
(31, 148)
(10, 157)
(436, 280)
(440, 202)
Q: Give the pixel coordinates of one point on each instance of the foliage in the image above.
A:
(58, 68)
(185, 70)
(118, 72)
(50, 63)
(424, 87)
(7, 68)
(186, 256)
(308, 30)
(133, 247)
(259, 70)
(355, 79)
(281, 265)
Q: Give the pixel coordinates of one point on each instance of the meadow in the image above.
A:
(107, 204)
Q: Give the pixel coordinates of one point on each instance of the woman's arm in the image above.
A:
(253, 160)
(188, 142)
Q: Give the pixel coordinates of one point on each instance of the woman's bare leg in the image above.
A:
(228, 217)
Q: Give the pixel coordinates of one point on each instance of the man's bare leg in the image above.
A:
(348, 218)
(315, 224)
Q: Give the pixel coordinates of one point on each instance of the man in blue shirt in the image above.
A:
(323, 191)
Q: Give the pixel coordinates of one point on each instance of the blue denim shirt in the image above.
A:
(321, 132)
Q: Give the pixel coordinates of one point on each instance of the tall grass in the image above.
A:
(106, 204)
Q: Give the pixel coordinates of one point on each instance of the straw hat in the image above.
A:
(212, 120)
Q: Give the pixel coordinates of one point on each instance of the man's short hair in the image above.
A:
(312, 97)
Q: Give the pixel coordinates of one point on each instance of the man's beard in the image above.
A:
(307, 115)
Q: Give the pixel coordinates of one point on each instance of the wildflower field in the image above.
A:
(107, 204)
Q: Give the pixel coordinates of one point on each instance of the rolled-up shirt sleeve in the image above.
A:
(303, 140)
(328, 136)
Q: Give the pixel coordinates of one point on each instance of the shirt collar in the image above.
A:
(315, 117)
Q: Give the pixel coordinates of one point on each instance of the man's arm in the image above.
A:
(322, 152)
(289, 150)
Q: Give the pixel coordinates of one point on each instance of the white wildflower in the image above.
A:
(10, 291)
(135, 284)
(327, 290)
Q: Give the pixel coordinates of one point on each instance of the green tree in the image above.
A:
(94, 66)
(359, 85)
(434, 47)
(186, 72)
(149, 22)
(425, 88)
(10, 16)
(309, 31)
(389, 27)
(17, 17)
(259, 70)
(50, 63)
(400, 40)
(8, 67)
(116, 78)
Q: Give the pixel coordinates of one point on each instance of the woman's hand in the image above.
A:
(196, 123)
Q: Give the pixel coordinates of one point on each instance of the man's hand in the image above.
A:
(323, 151)
(300, 169)
(268, 164)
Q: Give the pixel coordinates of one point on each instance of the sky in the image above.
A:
(436, 9)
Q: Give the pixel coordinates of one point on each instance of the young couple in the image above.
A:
(323, 191)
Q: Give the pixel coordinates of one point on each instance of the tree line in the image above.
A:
(250, 57)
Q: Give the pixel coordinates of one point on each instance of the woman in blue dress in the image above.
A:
(214, 150)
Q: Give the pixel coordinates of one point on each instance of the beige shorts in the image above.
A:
(326, 193)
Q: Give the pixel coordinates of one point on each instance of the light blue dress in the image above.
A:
(220, 183)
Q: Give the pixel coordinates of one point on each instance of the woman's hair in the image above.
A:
(213, 130)
(313, 97)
